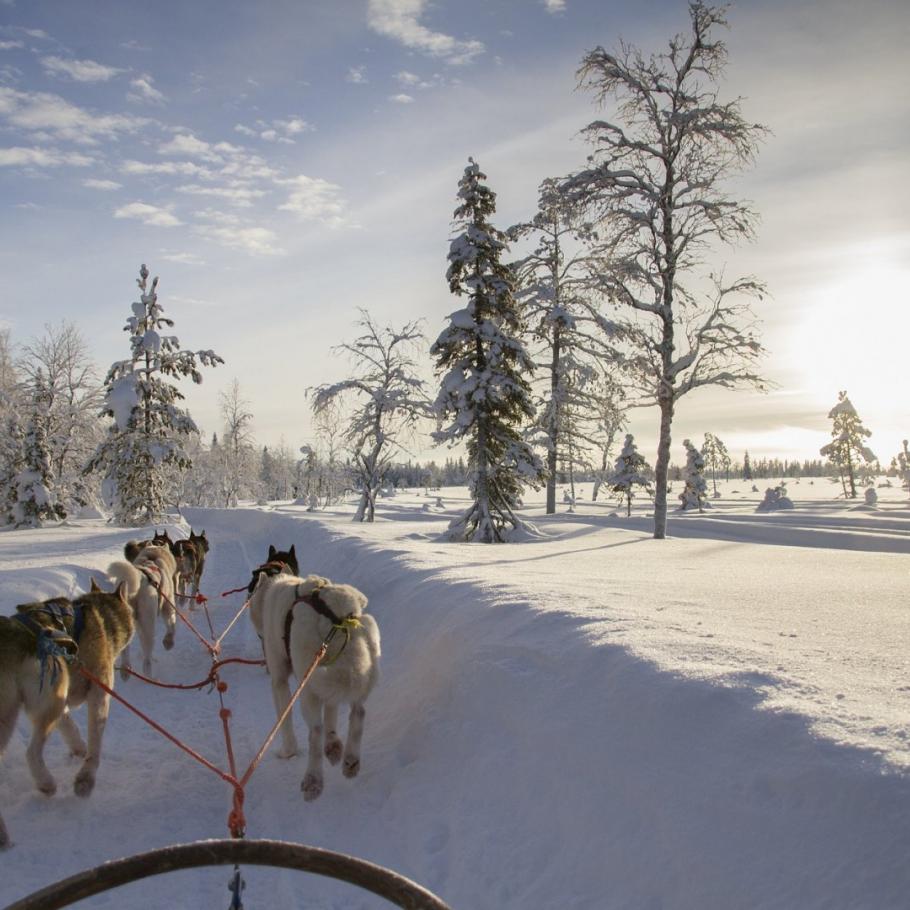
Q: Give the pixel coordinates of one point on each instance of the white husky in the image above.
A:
(292, 615)
(149, 582)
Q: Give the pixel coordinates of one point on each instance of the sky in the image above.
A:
(281, 165)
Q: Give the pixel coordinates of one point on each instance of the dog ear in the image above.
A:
(291, 552)
(272, 552)
(120, 591)
(95, 589)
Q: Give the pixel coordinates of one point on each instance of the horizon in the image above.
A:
(279, 171)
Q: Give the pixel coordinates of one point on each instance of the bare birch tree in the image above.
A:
(654, 186)
(390, 397)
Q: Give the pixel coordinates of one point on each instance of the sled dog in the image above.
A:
(190, 554)
(278, 561)
(34, 674)
(149, 589)
(297, 615)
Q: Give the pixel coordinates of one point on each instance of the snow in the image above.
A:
(588, 719)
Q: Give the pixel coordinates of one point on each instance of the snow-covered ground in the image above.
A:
(590, 719)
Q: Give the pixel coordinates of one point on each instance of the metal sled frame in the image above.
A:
(395, 888)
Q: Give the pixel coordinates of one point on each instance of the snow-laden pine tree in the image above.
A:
(716, 457)
(695, 491)
(901, 463)
(747, 467)
(847, 448)
(390, 399)
(36, 501)
(144, 452)
(485, 394)
(653, 185)
(12, 463)
(629, 473)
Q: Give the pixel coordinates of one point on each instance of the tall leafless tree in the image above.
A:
(654, 186)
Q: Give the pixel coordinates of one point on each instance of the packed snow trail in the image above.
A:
(518, 753)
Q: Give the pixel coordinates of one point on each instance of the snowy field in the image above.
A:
(588, 719)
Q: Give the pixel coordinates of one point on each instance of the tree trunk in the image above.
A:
(661, 468)
(553, 429)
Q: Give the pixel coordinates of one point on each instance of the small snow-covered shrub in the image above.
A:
(775, 500)
(871, 496)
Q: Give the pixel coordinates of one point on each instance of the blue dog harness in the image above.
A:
(54, 642)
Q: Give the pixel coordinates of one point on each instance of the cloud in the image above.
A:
(144, 91)
(257, 241)
(276, 131)
(148, 214)
(17, 156)
(193, 147)
(241, 196)
(554, 7)
(107, 185)
(399, 20)
(401, 99)
(79, 70)
(184, 258)
(10, 45)
(313, 198)
(167, 168)
(406, 78)
(48, 113)
(356, 75)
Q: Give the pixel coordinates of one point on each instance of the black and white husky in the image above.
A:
(294, 616)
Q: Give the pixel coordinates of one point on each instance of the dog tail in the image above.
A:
(128, 575)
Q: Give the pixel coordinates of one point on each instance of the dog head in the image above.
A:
(199, 540)
(288, 557)
(163, 539)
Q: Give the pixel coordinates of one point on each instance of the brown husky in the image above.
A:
(94, 628)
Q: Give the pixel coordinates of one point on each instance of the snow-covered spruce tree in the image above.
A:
(716, 456)
(485, 394)
(747, 467)
(391, 400)
(35, 499)
(629, 473)
(694, 494)
(144, 447)
(653, 186)
(847, 448)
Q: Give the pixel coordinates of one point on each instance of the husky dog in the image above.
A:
(149, 589)
(278, 561)
(297, 615)
(190, 555)
(98, 627)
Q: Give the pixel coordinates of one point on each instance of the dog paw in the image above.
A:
(333, 749)
(48, 786)
(351, 767)
(311, 787)
(84, 783)
(168, 641)
(287, 752)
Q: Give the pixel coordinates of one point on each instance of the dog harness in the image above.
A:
(344, 624)
(269, 569)
(54, 641)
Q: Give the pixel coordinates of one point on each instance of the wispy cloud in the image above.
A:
(276, 130)
(241, 196)
(313, 198)
(190, 145)
(401, 98)
(10, 45)
(257, 241)
(17, 156)
(79, 70)
(148, 214)
(144, 91)
(108, 185)
(167, 168)
(554, 7)
(184, 258)
(400, 21)
(357, 75)
(50, 114)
